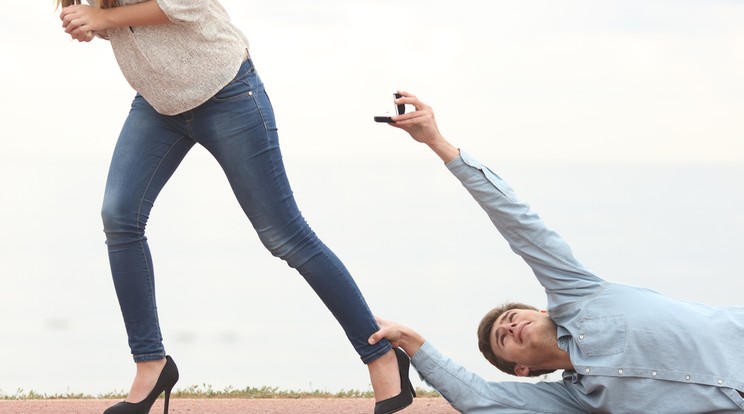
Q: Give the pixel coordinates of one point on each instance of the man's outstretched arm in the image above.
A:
(468, 392)
(545, 252)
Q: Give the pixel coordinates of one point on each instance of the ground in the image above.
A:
(228, 406)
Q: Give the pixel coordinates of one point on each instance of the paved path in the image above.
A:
(228, 406)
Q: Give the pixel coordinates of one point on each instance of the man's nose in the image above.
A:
(508, 327)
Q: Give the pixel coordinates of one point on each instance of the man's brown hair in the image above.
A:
(484, 339)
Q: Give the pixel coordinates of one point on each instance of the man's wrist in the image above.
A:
(411, 342)
(446, 151)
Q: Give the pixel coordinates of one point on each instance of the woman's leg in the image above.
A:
(148, 151)
(237, 126)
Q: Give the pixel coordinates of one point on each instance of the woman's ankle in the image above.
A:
(145, 379)
(385, 376)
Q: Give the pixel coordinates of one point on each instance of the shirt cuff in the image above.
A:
(426, 360)
(464, 166)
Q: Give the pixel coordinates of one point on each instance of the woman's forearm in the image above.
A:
(141, 14)
(81, 21)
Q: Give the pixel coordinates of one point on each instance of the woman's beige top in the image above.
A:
(177, 67)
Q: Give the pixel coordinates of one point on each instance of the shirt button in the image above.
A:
(720, 381)
(620, 371)
(250, 93)
(588, 370)
(654, 373)
(687, 377)
(581, 337)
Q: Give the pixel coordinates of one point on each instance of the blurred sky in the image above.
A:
(589, 105)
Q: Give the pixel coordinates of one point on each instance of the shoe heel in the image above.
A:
(405, 398)
(166, 400)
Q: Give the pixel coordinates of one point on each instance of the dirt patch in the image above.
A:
(229, 406)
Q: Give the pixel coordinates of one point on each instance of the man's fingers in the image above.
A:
(411, 99)
(406, 94)
(375, 338)
(409, 118)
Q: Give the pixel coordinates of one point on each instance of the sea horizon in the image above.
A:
(419, 247)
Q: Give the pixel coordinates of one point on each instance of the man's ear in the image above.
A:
(521, 370)
(543, 311)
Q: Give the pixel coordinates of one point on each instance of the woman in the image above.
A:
(196, 83)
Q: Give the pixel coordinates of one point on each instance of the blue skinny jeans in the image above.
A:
(237, 127)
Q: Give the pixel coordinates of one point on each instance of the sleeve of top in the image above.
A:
(549, 256)
(471, 394)
(182, 11)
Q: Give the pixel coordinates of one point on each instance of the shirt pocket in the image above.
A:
(602, 335)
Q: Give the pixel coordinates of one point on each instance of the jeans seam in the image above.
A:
(380, 348)
(150, 272)
(260, 109)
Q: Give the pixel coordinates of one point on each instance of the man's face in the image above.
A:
(526, 337)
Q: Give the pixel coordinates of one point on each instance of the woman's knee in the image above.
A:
(295, 246)
(122, 221)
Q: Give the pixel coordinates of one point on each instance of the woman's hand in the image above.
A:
(82, 21)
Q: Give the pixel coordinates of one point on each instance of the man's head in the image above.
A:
(519, 339)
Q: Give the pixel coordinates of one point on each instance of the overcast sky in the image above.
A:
(532, 84)
(589, 80)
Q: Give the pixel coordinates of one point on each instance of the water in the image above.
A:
(421, 250)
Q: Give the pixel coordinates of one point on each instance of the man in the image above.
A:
(623, 349)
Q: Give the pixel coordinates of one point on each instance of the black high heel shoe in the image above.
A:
(167, 379)
(405, 398)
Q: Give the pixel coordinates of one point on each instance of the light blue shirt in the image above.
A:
(633, 350)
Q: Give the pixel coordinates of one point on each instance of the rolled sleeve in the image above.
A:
(471, 394)
(183, 11)
(463, 389)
